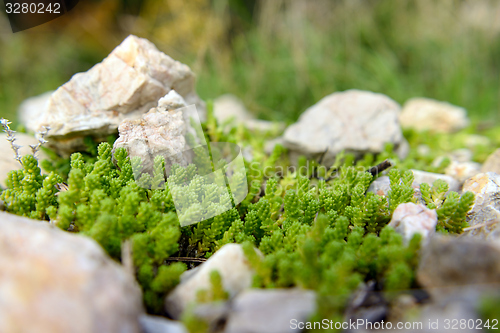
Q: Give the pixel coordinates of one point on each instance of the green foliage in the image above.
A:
(328, 236)
(451, 209)
(401, 188)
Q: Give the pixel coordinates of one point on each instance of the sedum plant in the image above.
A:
(328, 235)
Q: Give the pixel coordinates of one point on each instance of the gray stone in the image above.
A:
(441, 316)
(155, 324)
(269, 145)
(451, 263)
(54, 281)
(355, 121)
(7, 161)
(381, 185)
(430, 177)
(409, 219)
(492, 163)
(125, 85)
(428, 114)
(229, 109)
(270, 310)
(471, 141)
(485, 214)
(233, 267)
(462, 171)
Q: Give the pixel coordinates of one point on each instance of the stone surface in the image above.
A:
(381, 185)
(436, 315)
(428, 114)
(367, 304)
(155, 324)
(449, 264)
(161, 131)
(492, 163)
(230, 109)
(52, 281)
(430, 177)
(7, 161)
(355, 121)
(270, 310)
(232, 265)
(126, 84)
(409, 219)
(462, 171)
(486, 209)
(473, 140)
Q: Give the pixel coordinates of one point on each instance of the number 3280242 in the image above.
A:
(32, 8)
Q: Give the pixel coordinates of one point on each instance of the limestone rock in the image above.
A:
(32, 106)
(473, 140)
(270, 310)
(492, 163)
(428, 114)
(232, 265)
(449, 264)
(409, 219)
(156, 324)
(54, 281)
(486, 209)
(430, 177)
(382, 185)
(462, 171)
(126, 84)
(7, 161)
(355, 121)
(229, 108)
(161, 131)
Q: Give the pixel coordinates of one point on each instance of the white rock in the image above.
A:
(230, 109)
(409, 219)
(492, 163)
(56, 282)
(382, 185)
(270, 310)
(156, 324)
(428, 114)
(473, 140)
(161, 131)
(430, 177)
(462, 171)
(125, 85)
(486, 209)
(451, 265)
(7, 161)
(32, 106)
(355, 121)
(233, 267)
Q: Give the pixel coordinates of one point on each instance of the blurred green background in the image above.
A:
(278, 56)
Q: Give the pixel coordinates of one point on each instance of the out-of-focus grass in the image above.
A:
(280, 56)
